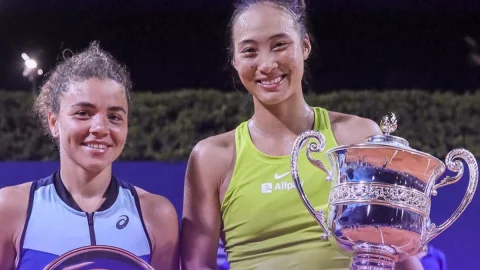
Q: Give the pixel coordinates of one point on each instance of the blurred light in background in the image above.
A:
(30, 63)
(31, 72)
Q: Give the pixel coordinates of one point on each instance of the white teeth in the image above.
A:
(270, 82)
(96, 146)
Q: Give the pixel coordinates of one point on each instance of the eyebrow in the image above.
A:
(90, 105)
(246, 41)
(279, 35)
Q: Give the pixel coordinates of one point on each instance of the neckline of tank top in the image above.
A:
(111, 193)
(317, 115)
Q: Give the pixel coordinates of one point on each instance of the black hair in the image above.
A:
(297, 8)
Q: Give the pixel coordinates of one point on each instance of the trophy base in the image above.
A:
(367, 261)
(372, 257)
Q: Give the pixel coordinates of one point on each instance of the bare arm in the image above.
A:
(162, 225)
(13, 206)
(201, 221)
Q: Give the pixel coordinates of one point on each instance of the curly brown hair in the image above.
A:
(93, 62)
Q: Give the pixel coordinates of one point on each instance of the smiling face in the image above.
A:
(92, 124)
(269, 52)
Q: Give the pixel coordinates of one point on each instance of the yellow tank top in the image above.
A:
(265, 224)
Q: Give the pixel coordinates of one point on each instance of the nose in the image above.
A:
(267, 63)
(99, 127)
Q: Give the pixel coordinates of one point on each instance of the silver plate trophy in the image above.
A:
(379, 202)
(98, 257)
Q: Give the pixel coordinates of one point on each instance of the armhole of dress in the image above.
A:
(236, 141)
(25, 226)
(139, 209)
(326, 120)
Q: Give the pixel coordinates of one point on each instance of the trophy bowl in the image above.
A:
(98, 257)
(379, 202)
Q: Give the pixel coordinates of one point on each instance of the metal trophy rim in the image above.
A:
(386, 145)
(58, 261)
(388, 125)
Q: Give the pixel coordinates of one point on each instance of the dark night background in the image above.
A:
(176, 44)
(169, 45)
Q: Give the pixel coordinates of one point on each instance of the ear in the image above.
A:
(234, 63)
(53, 125)
(307, 47)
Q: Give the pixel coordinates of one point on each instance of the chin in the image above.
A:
(95, 166)
(272, 98)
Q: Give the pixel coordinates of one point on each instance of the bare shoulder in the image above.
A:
(13, 207)
(215, 155)
(215, 146)
(155, 206)
(351, 129)
(159, 215)
(14, 198)
(161, 222)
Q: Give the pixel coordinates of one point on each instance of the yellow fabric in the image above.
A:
(265, 223)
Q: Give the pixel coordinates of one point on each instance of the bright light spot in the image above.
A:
(40, 72)
(30, 63)
(25, 56)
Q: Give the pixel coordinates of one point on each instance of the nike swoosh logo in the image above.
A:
(278, 177)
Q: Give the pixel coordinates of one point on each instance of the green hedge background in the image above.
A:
(166, 126)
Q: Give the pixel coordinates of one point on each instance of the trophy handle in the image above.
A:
(455, 165)
(313, 147)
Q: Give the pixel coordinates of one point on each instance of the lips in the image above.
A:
(271, 83)
(99, 146)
